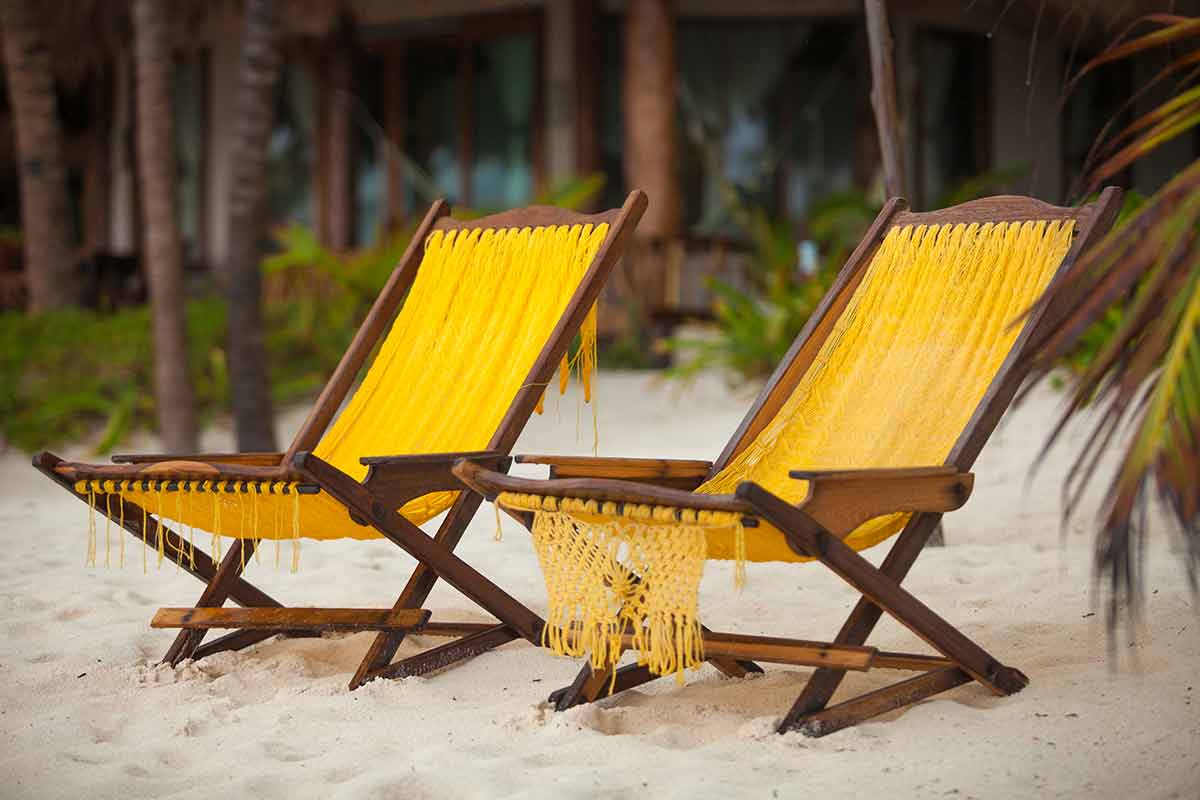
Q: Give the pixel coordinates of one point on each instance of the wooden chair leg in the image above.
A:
(416, 590)
(435, 555)
(587, 688)
(880, 701)
(129, 516)
(807, 536)
(862, 620)
(214, 596)
(448, 654)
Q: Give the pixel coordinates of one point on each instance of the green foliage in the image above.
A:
(754, 327)
(65, 374)
(1092, 341)
(1143, 282)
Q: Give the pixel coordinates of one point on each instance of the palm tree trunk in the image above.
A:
(163, 253)
(45, 212)
(649, 99)
(650, 137)
(258, 76)
(883, 97)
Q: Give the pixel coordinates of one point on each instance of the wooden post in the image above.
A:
(883, 97)
(650, 134)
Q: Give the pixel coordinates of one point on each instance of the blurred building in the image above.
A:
(384, 105)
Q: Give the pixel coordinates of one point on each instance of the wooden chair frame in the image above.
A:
(837, 502)
(391, 481)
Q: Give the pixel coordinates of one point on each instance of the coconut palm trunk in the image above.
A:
(258, 75)
(649, 102)
(45, 212)
(883, 96)
(163, 252)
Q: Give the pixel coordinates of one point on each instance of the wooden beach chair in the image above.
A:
(492, 307)
(868, 428)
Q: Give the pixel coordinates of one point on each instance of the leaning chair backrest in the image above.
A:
(911, 358)
(491, 307)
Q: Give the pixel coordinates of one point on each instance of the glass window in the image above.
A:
(1096, 101)
(501, 171)
(189, 147)
(727, 74)
(369, 149)
(953, 112)
(431, 73)
(490, 83)
(292, 148)
(818, 119)
(612, 117)
(768, 112)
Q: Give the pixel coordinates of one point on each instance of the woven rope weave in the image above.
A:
(893, 385)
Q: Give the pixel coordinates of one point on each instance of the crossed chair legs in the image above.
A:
(961, 660)
(255, 622)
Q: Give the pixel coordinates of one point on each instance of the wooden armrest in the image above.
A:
(397, 479)
(673, 473)
(427, 459)
(489, 484)
(170, 471)
(841, 500)
(871, 474)
(246, 459)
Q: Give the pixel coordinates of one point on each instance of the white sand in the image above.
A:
(87, 712)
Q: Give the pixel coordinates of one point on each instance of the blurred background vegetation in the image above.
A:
(199, 201)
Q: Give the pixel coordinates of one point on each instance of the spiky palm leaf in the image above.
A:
(1145, 381)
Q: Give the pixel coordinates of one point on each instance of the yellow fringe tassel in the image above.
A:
(121, 505)
(295, 530)
(107, 529)
(90, 559)
(154, 498)
(622, 571)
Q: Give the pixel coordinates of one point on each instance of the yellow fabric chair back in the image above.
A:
(481, 309)
(905, 367)
(479, 313)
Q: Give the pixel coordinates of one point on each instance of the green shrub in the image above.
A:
(64, 374)
(753, 328)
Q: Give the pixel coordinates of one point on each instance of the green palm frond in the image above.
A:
(1145, 379)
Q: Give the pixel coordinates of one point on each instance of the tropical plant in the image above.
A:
(754, 327)
(1145, 380)
(64, 374)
